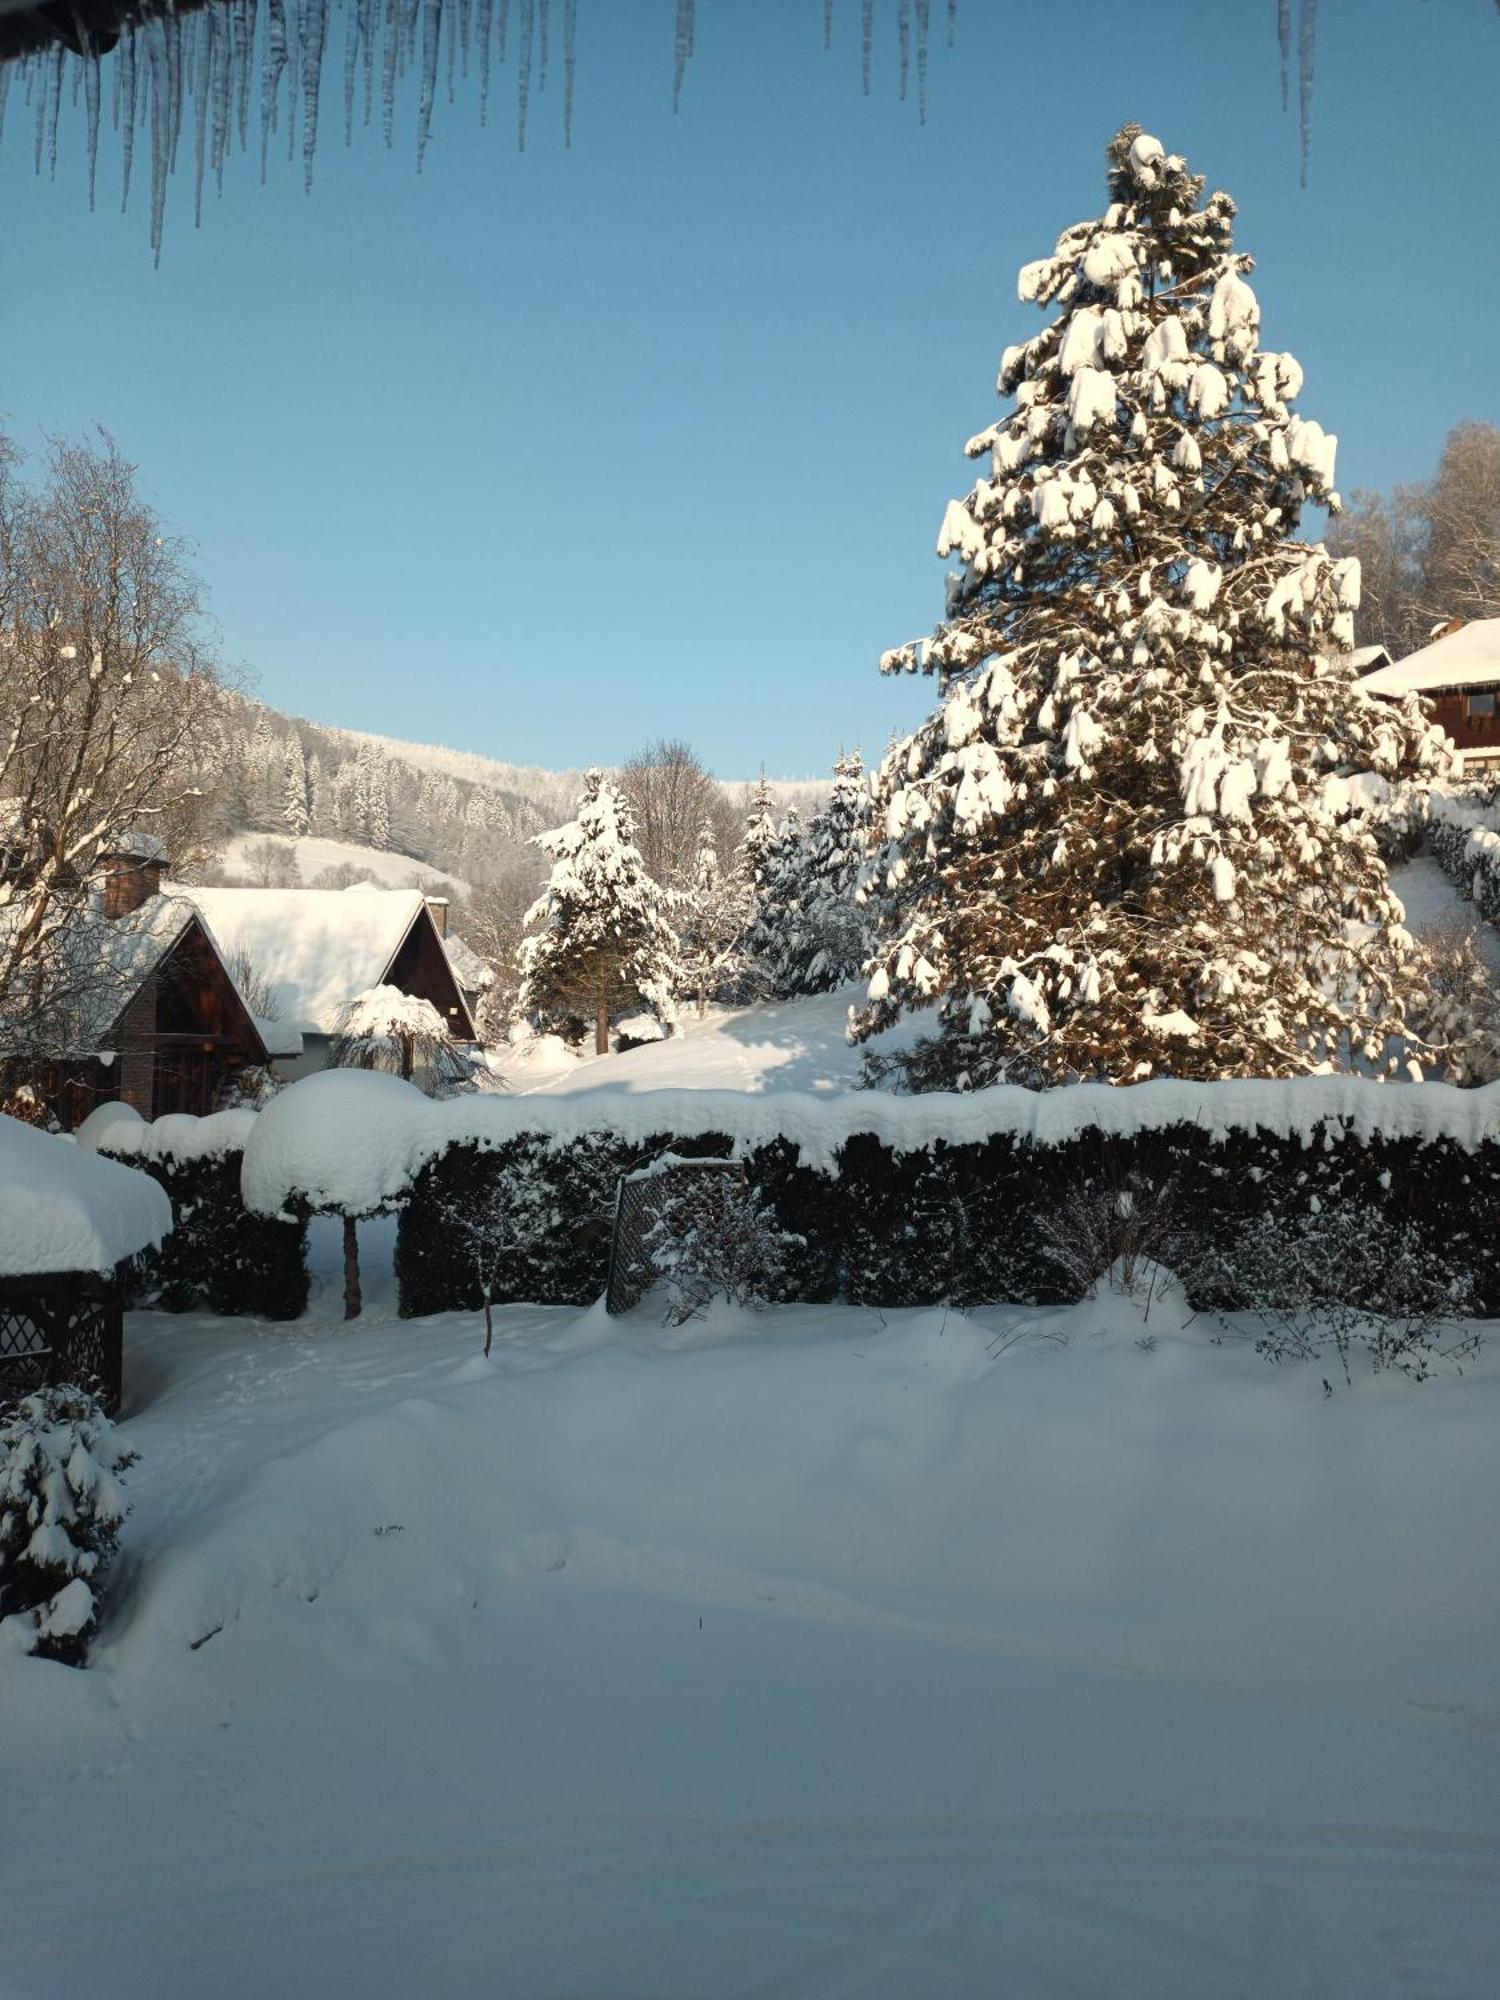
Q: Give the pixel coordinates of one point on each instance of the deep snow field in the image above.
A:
(819, 1652)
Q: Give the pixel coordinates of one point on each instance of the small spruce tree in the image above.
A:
(1117, 847)
(717, 909)
(600, 941)
(826, 939)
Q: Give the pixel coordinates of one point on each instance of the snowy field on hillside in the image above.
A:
(823, 1652)
(314, 854)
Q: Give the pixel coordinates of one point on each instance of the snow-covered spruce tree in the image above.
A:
(601, 942)
(826, 935)
(780, 885)
(1112, 850)
(716, 911)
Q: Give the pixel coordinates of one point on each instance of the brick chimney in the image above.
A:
(133, 868)
(438, 905)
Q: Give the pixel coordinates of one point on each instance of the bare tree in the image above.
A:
(1461, 554)
(272, 864)
(105, 698)
(1430, 552)
(492, 923)
(672, 797)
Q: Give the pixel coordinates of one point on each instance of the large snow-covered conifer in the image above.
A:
(601, 941)
(1115, 849)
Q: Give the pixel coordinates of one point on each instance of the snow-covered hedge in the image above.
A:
(220, 1257)
(1463, 836)
(974, 1221)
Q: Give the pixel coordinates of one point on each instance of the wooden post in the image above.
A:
(352, 1300)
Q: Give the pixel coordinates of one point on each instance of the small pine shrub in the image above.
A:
(60, 1513)
(714, 1238)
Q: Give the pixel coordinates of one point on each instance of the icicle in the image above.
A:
(51, 66)
(924, 11)
(682, 48)
(129, 94)
(465, 11)
(390, 56)
(365, 15)
(293, 75)
(159, 84)
(1307, 37)
(504, 26)
(5, 70)
(903, 35)
(221, 84)
(952, 22)
(866, 40)
(176, 89)
(570, 58)
(351, 70)
(827, 24)
(1284, 42)
(242, 30)
(452, 52)
(273, 62)
(313, 24)
(543, 36)
(523, 70)
(482, 31)
(204, 29)
(432, 31)
(91, 88)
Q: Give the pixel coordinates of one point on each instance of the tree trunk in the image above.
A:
(352, 1300)
(489, 1329)
(601, 1027)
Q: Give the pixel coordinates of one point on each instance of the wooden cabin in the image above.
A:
(1458, 671)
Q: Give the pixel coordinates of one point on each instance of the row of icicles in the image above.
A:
(214, 56)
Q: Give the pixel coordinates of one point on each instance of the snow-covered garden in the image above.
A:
(921, 1426)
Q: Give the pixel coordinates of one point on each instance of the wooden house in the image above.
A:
(144, 1008)
(312, 952)
(1459, 673)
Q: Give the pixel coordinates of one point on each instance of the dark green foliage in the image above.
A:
(219, 1257)
(999, 1222)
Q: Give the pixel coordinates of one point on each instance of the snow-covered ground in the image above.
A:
(816, 1653)
(785, 1045)
(1433, 904)
(314, 854)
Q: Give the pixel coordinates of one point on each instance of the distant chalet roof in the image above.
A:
(1469, 657)
(316, 949)
(63, 1209)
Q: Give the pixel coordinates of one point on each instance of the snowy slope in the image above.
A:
(314, 854)
(824, 1653)
(786, 1045)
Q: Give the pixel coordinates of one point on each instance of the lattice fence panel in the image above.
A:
(640, 1201)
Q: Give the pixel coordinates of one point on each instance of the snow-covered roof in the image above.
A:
(64, 1209)
(316, 949)
(1469, 657)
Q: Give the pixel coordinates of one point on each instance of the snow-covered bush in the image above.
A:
(386, 1029)
(60, 1514)
(1117, 1226)
(713, 1237)
(1457, 1007)
(1343, 1280)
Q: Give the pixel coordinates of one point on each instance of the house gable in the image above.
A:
(421, 967)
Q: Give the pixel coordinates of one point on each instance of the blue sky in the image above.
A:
(542, 455)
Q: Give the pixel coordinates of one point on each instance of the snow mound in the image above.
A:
(120, 1129)
(63, 1209)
